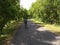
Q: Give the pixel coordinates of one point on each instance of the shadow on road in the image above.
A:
(31, 36)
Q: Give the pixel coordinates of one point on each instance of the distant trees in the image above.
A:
(47, 11)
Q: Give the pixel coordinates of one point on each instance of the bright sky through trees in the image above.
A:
(26, 3)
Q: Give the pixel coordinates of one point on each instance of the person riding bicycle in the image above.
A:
(25, 21)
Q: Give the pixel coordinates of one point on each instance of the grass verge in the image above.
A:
(9, 33)
(50, 27)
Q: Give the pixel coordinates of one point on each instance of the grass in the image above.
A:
(9, 32)
(50, 27)
(53, 28)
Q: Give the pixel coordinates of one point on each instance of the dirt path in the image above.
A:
(35, 35)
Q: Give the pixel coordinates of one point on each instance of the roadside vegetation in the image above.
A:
(51, 27)
(47, 13)
(11, 15)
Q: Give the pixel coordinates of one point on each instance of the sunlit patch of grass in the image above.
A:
(36, 21)
(50, 27)
(53, 28)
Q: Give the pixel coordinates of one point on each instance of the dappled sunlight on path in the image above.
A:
(34, 35)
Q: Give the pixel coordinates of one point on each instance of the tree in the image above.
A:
(46, 10)
(9, 10)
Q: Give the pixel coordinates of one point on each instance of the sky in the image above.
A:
(26, 3)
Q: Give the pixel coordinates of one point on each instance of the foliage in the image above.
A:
(9, 10)
(24, 12)
(47, 11)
